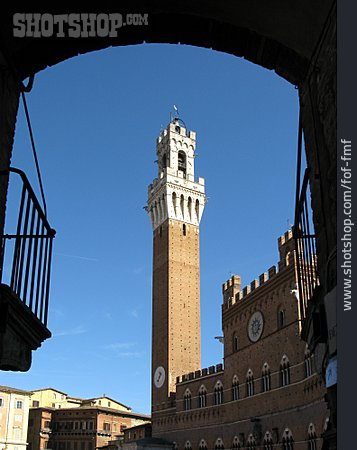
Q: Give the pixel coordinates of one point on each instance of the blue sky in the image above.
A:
(95, 119)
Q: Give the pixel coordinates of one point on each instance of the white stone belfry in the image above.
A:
(175, 194)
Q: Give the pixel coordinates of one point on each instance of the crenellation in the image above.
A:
(254, 284)
(281, 264)
(263, 278)
(230, 299)
(211, 370)
(271, 272)
(246, 291)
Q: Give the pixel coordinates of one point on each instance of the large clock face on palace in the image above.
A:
(159, 376)
(255, 326)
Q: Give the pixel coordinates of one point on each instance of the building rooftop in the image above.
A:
(49, 389)
(12, 390)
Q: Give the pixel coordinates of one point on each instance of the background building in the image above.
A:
(84, 428)
(14, 414)
(87, 425)
(50, 397)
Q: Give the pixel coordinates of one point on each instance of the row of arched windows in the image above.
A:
(286, 443)
(218, 394)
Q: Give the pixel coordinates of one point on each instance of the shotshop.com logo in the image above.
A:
(75, 25)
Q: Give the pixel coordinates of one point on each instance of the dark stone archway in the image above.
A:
(295, 39)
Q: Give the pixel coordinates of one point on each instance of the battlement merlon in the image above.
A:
(286, 245)
(231, 288)
(175, 129)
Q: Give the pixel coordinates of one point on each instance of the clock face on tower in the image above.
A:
(159, 376)
(255, 326)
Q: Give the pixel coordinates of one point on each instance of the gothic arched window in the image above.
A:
(218, 393)
(311, 437)
(288, 441)
(187, 400)
(219, 444)
(250, 383)
(284, 371)
(251, 444)
(268, 441)
(236, 444)
(202, 397)
(235, 388)
(188, 445)
(203, 445)
(266, 378)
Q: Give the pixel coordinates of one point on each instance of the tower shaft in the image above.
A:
(175, 205)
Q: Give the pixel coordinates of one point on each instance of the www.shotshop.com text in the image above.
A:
(346, 239)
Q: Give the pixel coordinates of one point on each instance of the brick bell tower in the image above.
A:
(175, 206)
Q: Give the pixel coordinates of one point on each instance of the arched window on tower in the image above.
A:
(182, 162)
(188, 445)
(266, 378)
(182, 206)
(288, 441)
(250, 383)
(235, 343)
(284, 371)
(281, 317)
(187, 400)
(268, 441)
(174, 202)
(164, 161)
(311, 442)
(202, 397)
(189, 207)
(218, 393)
(197, 210)
(202, 445)
(235, 388)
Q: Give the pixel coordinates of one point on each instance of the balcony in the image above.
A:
(311, 308)
(25, 269)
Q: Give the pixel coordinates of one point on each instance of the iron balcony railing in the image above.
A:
(31, 253)
(305, 248)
